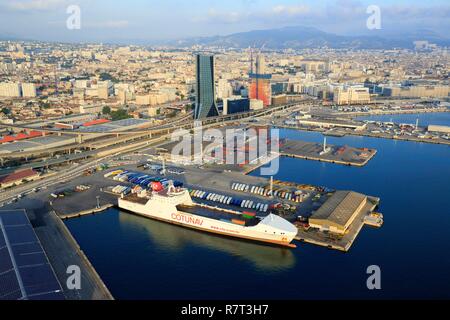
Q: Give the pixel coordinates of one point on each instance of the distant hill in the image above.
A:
(300, 37)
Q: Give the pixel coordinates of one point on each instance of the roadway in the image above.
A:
(77, 169)
(179, 123)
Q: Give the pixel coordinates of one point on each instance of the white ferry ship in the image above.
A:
(174, 205)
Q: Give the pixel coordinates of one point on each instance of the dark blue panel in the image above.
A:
(38, 279)
(35, 272)
(48, 296)
(20, 234)
(5, 260)
(9, 286)
(29, 254)
(2, 239)
(12, 217)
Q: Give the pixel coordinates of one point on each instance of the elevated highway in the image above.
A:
(84, 149)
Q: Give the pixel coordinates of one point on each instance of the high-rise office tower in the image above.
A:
(205, 102)
(260, 81)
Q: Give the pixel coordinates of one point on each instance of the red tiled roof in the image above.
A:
(95, 122)
(17, 176)
(21, 136)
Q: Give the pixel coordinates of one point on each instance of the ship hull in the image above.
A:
(209, 225)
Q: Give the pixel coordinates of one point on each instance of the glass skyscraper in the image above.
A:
(205, 102)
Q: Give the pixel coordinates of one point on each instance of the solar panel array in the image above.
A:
(30, 144)
(25, 272)
(120, 125)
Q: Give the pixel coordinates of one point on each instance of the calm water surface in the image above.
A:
(143, 259)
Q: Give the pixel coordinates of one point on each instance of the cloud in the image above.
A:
(28, 5)
(110, 24)
(342, 15)
(214, 16)
(416, 12)
(291, 10)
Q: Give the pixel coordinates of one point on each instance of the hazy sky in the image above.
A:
(109, 20)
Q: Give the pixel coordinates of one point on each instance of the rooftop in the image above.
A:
(25, 272)
(18, 175)
(340, 207)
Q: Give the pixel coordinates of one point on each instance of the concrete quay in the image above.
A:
(344, 155)
(332, 241)
(342, 133)
(63, 251)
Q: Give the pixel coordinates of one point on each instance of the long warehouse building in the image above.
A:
(338, 212)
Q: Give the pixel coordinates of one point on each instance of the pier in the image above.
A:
(338, 242)
(86, 212)
(63, 251)
(344, 155)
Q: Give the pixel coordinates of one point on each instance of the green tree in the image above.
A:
(120, 115)
(6, 111)
(106, 110)
(45, 105)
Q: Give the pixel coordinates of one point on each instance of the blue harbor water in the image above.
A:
(425, 119)
(143, 259)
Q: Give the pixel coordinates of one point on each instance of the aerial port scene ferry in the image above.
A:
(175, 205)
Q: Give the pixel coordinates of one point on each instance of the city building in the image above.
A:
(28, 90)
(419, 91)
(93, 109)
(10, 89)
(256, 104)
(205, 103)
(260, 87)
(153, 111)
(224, 89)
(313, 66)
(143, 99)
(279, 100)
(105, 89)
(279, 88)
(236, 105)
(351, 95)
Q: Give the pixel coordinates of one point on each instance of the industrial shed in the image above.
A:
(338, 212)
(18, 177)
(439, 129)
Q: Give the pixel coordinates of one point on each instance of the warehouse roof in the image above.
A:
(25, 272)
(18, 175)
(21, 136)
(95, 122)
(340, 207)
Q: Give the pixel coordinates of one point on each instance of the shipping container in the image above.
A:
(239, 222)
